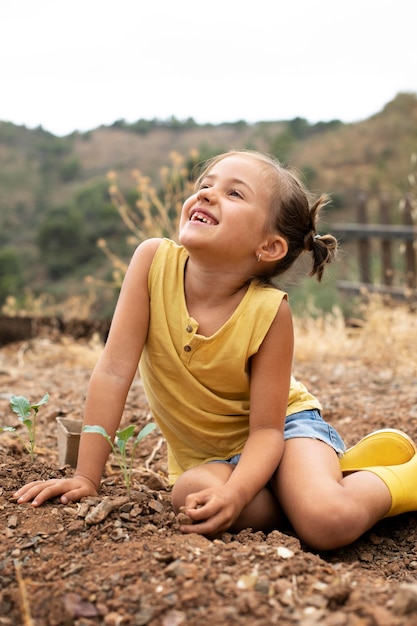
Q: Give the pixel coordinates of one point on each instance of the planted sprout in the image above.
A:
(26, 413)
(119, 446)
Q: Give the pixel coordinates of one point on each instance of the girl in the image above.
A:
(214, 339)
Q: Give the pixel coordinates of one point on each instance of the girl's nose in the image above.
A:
(206, 194)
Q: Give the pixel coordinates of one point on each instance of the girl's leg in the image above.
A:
(326, 509)
(263, 513)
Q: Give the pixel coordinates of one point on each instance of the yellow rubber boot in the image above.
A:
(401, 481)
(383, 447)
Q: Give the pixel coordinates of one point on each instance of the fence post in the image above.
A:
(363, 243)
(386, 245)
(410, 252)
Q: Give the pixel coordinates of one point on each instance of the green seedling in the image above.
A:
(120, 446)
(26, 413)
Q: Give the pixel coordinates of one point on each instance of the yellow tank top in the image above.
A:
(198, 387)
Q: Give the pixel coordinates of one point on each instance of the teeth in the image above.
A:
(198, 217)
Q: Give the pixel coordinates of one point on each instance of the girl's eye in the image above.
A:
(235, 192)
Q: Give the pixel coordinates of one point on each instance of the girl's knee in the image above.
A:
(199, 478)
(184, 485)
(177, 497)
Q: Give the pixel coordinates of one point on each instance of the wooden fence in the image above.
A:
(381, 247)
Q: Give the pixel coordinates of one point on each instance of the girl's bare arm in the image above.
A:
(108, 387)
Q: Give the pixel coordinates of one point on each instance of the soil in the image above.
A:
(60, 567)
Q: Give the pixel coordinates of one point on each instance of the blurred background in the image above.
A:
(107, 107)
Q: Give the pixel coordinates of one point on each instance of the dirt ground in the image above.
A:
(60, 567)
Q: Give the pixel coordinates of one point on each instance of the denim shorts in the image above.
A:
(308, 424)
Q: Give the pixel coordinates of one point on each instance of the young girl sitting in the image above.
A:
(247, 445)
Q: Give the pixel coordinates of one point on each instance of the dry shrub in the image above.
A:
(45, 305)
(156, 212)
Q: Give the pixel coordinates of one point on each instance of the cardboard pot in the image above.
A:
(69, 431)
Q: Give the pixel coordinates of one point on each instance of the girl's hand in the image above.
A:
(70, 490)
(212, 510)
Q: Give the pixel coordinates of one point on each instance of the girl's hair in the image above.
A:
(293, 213)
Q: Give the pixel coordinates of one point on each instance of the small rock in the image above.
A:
(75, 526)
(70, 510)
(114, 619)
(174, 618)
(284, 553)
(183, 519)
(155, 482)
(12, 521)
(157, 506)
(405, 600)
(367, 557)
(75, 606)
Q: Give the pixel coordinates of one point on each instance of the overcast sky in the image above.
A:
(76, 65)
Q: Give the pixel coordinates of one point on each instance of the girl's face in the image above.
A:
(227, 214)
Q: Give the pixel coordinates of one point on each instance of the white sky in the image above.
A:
(78, 64)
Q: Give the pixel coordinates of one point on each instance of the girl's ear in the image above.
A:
(274, 249)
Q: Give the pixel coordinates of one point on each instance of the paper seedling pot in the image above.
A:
(69, 431)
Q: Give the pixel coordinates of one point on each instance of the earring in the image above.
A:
(259, 257)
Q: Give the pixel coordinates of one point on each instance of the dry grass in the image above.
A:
(44, 305)
(385, 335)
(62, 353)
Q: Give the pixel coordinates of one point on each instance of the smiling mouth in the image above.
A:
(203, 218)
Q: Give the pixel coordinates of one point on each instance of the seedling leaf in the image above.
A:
(21, 406)
(145, 431)
(26, 413)
(119, 446)
(96, 429)
(126, 433)
(44, 400)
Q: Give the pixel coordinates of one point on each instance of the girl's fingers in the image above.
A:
(24, 489)
(199, 500)
(28, 492)
(40, 491)
(198, 513)
(37, 493)
(209, 527)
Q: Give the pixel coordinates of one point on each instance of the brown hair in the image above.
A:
(293, 213)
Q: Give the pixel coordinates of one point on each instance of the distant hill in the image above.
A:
(50, 185)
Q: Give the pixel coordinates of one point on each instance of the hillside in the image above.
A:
(54, 202)
(372, 155)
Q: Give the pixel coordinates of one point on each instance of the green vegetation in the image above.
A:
(67, 236)
(120, 447)
(11, 278)
(58, 215)
(26, 413)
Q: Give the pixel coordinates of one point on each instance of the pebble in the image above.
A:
(12, 521)
(405, 600)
